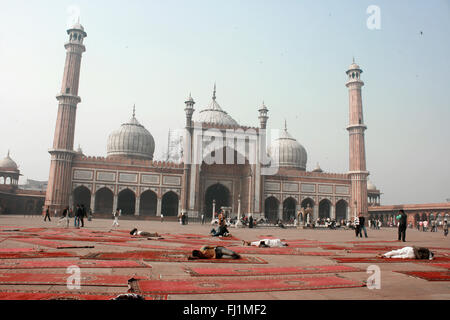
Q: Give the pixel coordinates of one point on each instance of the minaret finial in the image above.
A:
(353, 59)
(285, 125)
(8, 153)
(214, 92)
(134, 110)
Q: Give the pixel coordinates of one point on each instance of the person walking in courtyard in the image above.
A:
(47, 215)
(64, 217)
(445, 227)
(356, 224)
(162, 217)
(362, 227)
(203, 218)
(425, 226)
(83, 215)
(116, 218)
(402, 225)
(78, 215)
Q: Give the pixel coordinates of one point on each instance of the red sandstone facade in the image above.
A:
(151, 188)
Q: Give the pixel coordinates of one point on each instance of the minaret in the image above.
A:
(187, 153)
(357, 167)
(62, 153)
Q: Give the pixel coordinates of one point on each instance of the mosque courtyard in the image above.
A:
(35, 256)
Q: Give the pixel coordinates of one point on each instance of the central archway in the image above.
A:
(217, 192)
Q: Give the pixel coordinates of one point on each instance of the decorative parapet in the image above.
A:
(220, 126)
(125, 161)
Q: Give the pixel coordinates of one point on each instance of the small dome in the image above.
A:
(8, 163)
(131, 140)
(77, 26)
(317, 168)
(215, 115)
(285, 151)
(371, 186)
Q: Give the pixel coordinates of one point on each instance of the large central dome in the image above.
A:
(285, 151)
(214, 114)
(132, 140)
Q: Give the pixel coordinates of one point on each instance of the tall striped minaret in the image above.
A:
(357, 167)
(62, 153)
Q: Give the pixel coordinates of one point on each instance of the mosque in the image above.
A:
(224, 164)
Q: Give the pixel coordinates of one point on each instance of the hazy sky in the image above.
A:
(291, 54)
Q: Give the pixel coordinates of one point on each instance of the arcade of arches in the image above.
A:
(148, 202)
(289, 210)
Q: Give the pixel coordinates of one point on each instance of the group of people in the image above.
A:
(222, 228)
(423, 225)
(375, 224)
(79, 215)
(359, 223)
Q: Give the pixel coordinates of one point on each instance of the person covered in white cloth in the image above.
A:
(265, 243)
(409, 253)
(136, 232)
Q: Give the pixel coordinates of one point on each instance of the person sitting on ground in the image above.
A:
(221, 231)
(136, 232)
(210, 252)
(409, 253)
(265, 243)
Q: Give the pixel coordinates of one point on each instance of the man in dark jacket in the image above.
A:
(362, 226)
(402, 217)
(83, 214)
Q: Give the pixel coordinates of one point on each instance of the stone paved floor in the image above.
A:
(393, 285)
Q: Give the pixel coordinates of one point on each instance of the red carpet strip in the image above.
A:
(90, 239)
(32, 295)
(441, 265)
(40, 242)
(257, 271)
(239, 285)
(36, 264)
(429, 275)
(12, 250)
(386, 260)
(165, 256)
(36, 254)
(15, 295)
(61, 279)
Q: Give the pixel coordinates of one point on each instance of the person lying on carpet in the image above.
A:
(221, 231)
(136, 232)
(409, 253)
(210, 252)
(265, 243)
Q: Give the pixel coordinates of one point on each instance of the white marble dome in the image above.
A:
(131, 140)
(214, 114)
(285, 151)
(8, 163)
(371, 186)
